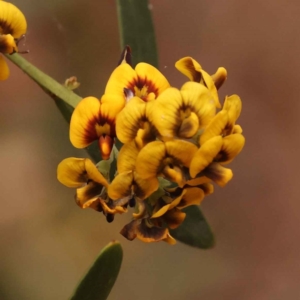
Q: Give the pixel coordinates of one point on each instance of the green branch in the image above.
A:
(48, 84)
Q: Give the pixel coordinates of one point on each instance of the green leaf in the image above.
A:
(99, 280)
(194, 230)
(137, 30)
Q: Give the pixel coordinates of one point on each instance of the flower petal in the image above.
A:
(111, 105)
(149, 159)
(127, 157)
(197, 97)
(88, 194)
(129, 120)
(144, 188)
(151, 78)
(7, 44)
(219, 77)
(215, 127)
(218, 174)
(144, 231)
(193, 196)
(193, 70)
(233, 106)
(181, 150)
(74, 172)
(84, 125)
(12, 20)
(205, 155)
(232, 146)
(190, 68)
(122, 77)
(4, 70)
(174, 218)
(121, 186)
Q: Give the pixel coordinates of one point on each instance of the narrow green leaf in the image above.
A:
(194, 231)
(137, 30)
(99, 280)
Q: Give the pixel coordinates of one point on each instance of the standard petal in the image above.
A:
(198, 98)
(148, 163)
(127, 157)
(205, 155)
(190, 68)
(84, 125)
(129, 120)
(111, 105)
(219, 77)
(12, 20)
(232, 146)
(122, 77)
(215, 127)
(152, 81)
(193, 70)
(71, 172)
(165, 113)
(74, 172)
(181, 150)
(218, 174)
(233, 106)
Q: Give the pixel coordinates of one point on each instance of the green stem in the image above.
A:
(49, 85)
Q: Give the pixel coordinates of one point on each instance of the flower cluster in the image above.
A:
(12, 29)
(175, 143)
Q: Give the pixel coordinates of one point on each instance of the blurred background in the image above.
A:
(48, 243)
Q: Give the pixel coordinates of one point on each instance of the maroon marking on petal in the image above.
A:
(90, 133)
(6, 28)
(196, 75)
(140, 83)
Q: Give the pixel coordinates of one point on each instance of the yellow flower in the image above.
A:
(182, 113)
(219, 143)
(193, 70)
(95, 120)
(133, 123)
(147, 231)
(91, 186)
(127, 182)
(175, 144)
(12, 27)
(144, 81)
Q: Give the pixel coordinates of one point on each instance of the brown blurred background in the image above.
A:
(47, 242)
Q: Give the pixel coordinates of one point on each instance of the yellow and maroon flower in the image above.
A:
(91, 186)
(128, 183)
(12, 27)
(193, 70)
(144, 81)
(170, 160)
(94, 120)
(220, 142)
(147, 231)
